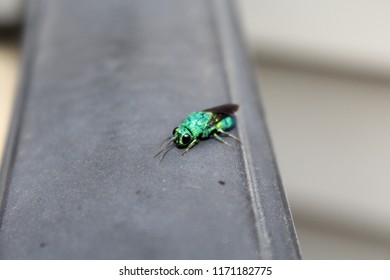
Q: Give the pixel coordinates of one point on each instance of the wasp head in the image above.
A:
(183, 137)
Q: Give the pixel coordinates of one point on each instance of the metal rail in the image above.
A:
(104, 82)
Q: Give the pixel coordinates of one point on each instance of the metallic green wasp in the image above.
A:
(200, 125)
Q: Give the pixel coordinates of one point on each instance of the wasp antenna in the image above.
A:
(166, 150)
(164, 145)
(161, 145)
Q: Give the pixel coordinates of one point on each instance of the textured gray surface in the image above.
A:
(109, 80)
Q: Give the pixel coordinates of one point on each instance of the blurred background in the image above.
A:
(323, 69)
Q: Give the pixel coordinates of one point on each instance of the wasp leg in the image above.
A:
(193, 143)
(219, 138)
(228, 134)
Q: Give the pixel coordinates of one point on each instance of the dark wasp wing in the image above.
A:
(227, 109)
(221, 112)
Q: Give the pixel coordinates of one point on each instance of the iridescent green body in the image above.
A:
(202, 125)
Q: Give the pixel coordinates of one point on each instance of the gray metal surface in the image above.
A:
(104, 83)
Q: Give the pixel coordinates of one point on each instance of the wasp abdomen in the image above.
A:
(226, 124)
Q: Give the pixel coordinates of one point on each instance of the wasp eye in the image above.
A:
(174, 131)
(186, 139)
